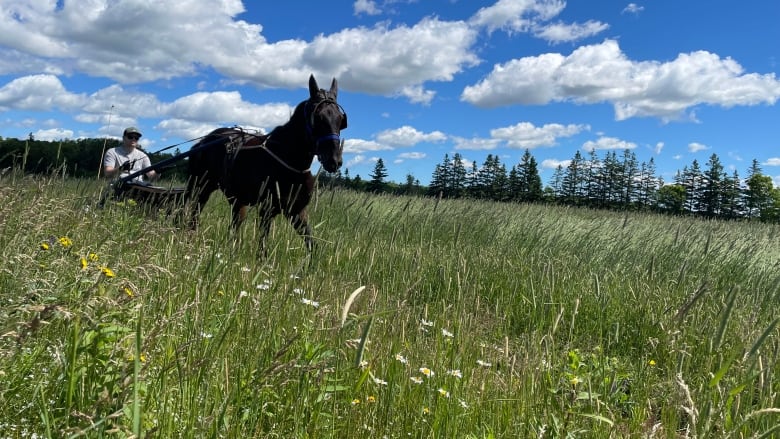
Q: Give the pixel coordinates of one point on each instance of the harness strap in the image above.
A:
(263, 146)
(282, 162)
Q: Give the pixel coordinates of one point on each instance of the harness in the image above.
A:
(241, 139)
(244, 140)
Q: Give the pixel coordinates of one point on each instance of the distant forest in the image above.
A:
(614, 181)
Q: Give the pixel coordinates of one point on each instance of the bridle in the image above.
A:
(309, 119)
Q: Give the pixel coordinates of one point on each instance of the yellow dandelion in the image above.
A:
(44, 246)
(83, 263)
(65, 241)
(92, 256)
(142, 357)
(371, 399)
(651, 362)
(426, 410)
(129, 292)
(107, 272)
(355, 401)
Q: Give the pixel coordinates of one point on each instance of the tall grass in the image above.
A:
(414, 318)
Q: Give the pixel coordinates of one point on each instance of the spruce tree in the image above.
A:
(378, 175)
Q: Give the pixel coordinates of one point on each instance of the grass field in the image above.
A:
(415, 318)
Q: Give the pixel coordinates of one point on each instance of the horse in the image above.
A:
(272, 171)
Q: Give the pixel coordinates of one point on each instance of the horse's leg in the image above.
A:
(201, 190)
(266, 213)
(239, 214)
(300, 222)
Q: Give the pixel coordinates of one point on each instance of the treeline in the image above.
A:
(78, 158)
(614, 181)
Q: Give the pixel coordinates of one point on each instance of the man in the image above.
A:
(127, 158)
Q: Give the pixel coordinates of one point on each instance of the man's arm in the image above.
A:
(113, 166)
(152, 174)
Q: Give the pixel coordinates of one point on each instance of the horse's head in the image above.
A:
(324, 121)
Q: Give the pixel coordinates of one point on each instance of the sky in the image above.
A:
(673, 81)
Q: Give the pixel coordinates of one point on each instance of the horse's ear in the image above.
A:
(314, 89)
(334, 88)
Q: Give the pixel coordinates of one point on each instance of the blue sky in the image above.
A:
(672, 80)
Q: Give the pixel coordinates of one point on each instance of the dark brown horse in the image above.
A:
(273, 170)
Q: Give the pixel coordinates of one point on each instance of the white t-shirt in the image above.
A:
(116, 157)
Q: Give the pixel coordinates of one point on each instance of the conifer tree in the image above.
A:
(378, 175)
(712, 190)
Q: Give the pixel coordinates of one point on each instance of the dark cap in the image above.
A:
(132, 130)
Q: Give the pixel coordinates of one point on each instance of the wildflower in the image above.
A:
(83, 263)
(483, 363)
(370, 399)
(353, 342)
(426, 323)
(298, 291)
(65, 241)
(401, 358)
(44, 246)
(380, 382)
(93, 257)
(463, 404)
(129, 292)
(363, 364)
(355, 401)
(221, 293)
(447, 333)
(141, 358)
(205, 334)
(313, 303)
(455, 373)
(426, 411)
(416, 380)
(246, 269)
(444, 393)
(242, 294)
(265, 285)
(575, 380)
(109, 273)
(651, 362)
(427, 372)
